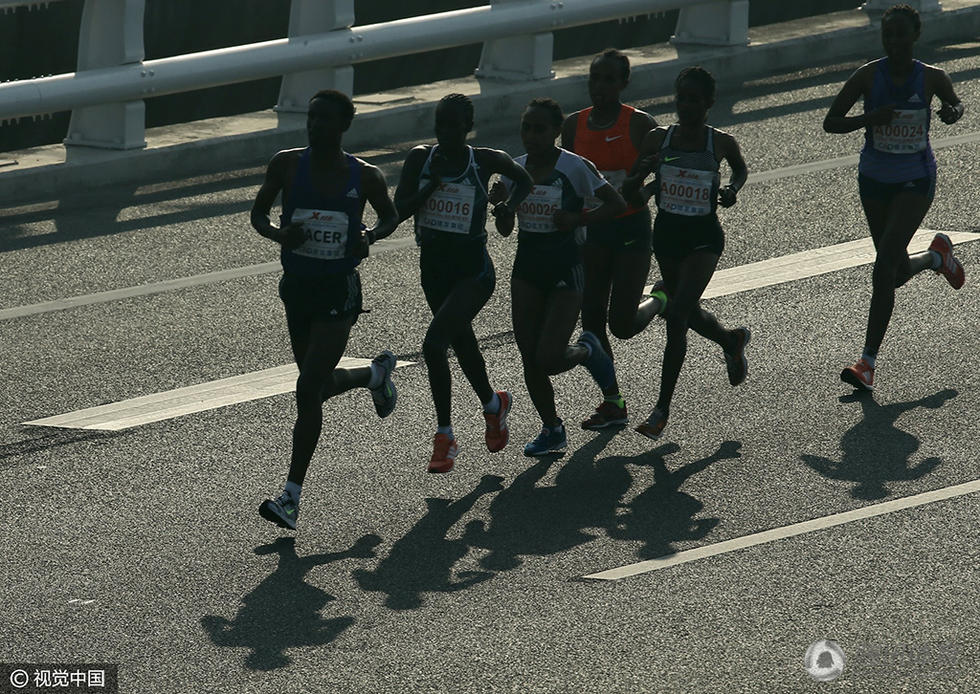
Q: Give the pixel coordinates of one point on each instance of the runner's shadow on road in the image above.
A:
(283, 611)
(527, 519)
(875, 451)
(422, 560)
(663, 514)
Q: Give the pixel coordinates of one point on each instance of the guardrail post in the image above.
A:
(314, 17)
(719, 23)
(111, 34)
(875, 8)
(518, 58)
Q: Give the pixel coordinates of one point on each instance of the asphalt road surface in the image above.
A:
(142, 546)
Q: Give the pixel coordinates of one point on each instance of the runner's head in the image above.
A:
(695, 94)
(900, 26)
(329, 115)
(541, 125)
(454, 119)
(609, 74)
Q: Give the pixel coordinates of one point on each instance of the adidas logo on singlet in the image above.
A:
(352, 193)
(914, 99)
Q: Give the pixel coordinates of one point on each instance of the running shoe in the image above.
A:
(497, 433)
(861, 375)
(385, 395)
(658, 291)
(548, 441)
(607, 414)
(738, 366)
(950, 267)
(598, 363)
(283, 511)
(654, 426)
(444, 452)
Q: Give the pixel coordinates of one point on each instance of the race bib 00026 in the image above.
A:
(536, 212)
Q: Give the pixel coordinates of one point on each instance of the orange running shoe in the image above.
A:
(497, 433)
(654, 426)
(444, 452)
(861, 375)
(950, 267)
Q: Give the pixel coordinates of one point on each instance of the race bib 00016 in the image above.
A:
(685, 191)
(449, 208)
(907, 133)
(536, 212)
(326, 233)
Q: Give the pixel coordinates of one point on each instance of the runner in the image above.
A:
(687, 237)
(548, 278)
(617, 253)
(445, 187)
(897, 170)
(320, 233)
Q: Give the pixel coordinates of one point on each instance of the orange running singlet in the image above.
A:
(611, 150)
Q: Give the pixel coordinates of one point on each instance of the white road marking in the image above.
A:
(818, 261)
(774, 534)
(198, 398)
(385, 245)
(281, 379)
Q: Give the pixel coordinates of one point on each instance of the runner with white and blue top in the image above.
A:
(897, 171)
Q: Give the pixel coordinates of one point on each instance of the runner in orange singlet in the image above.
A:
(617, 252)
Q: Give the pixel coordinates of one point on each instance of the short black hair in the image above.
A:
(618, 56)
(550, 105)
(701, 77)
(460, 101)
(904, 10)
(339, 98)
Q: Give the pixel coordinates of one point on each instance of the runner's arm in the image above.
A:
(408, 197)
(376, 192)
(952, 109)
(292, 235)
(633, 189)
(740, 172)
(838, 122)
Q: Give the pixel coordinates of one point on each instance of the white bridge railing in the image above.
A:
(106, 92)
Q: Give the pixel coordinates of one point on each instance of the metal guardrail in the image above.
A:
(106, 93)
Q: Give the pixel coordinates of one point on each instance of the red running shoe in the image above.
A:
(444, 452)
(950, 267)
(861, 375)
(497, 434)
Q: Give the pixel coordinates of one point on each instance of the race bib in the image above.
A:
(615, 179)
(449, 208)
(685, 191)
(326, 233)
(536, 212)
(908, 132)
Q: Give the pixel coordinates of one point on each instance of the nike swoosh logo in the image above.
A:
(668, 159)
(289, 511)
(629, 242)
(614, 137)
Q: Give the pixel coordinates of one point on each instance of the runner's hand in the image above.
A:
(647, 164)
(292, 236)
(949, 114)
(727, 196)
(364, 247)
(498, 193)
(882, 115)
(438, 166)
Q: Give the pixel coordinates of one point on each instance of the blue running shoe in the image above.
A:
(283, 511)
(598, 363)
(548, 441)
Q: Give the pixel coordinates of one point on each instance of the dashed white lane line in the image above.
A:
(198, 398)
(281, 379)
(794, 530)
